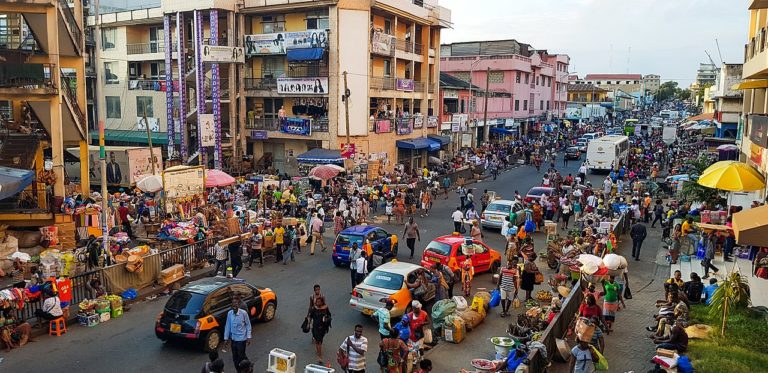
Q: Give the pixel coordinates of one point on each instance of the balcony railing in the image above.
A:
(382, 83)
(418, 86)
(72, 96)
(151, 47)
(408, 46)
(74, 28)
(146, 84)
(260, 84)
(306, 70)
(27, 75)
(273, 124)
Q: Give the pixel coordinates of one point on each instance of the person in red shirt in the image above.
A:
(590, 309)
(425, 366)
(417, 319)
(122, 211)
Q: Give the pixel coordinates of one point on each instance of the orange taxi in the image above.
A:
(451, 251)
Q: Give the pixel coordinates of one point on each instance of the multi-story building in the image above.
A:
(42, 96)
(628, 83)
(727, 101)
(651, 83)
(706, 74)
(534, 80)
(754, 131)
(587, 102)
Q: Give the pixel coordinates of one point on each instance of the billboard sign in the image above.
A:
(302, 86)
(223, 54)
(140, 163)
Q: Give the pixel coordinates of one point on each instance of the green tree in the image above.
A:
(667, 91)
(684, 94)
(693, 192)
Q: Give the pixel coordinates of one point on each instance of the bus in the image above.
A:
(608, 152)
(629, 126)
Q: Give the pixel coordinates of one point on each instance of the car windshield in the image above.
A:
(573, 150)
(439, 248)
(185, 302)
(348, 240)
(498, 207)
(384, 280)
(538, 191)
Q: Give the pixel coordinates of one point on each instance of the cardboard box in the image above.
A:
(172, 274)
(665, 353)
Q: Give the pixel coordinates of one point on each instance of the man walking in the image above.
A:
(411, 233)
(462, 196)
(710, 241)
(638, 232)
(317, 233)
(237, 331)
(355, 347)
(508, 280)
(354, 254)
(279, 234)
(457, 217)
(361, 265)
(221, 259)
(236, 257)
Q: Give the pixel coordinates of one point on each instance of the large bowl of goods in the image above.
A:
(503, 345)
(483, 366)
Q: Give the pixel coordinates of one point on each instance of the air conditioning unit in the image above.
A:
(281, 361)
(314, 368)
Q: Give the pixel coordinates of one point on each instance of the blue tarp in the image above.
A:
(322, 156)
(419, 143)
(305, 54)
(443, 140)
(503, 131)
(14, 180)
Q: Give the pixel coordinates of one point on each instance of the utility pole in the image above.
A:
(102, 150)
(486, 129)
(346, 105)
(149, 138)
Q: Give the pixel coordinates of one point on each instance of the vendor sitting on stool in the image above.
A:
(51, 309)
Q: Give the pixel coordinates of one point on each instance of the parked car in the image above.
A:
(389, 281)
(572, 153)
(198, 311)
(451, 251)
(494, 214)
(384, 245)
(581, 144)
(537, 193)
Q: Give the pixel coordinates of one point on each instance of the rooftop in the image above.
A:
(585, 87)
(613, 77)
(450, 81)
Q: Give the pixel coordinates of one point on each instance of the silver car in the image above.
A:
(494, 214)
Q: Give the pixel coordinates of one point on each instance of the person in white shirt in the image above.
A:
(361, 266)
(354, 254)
(355, 347)
(457, 217)
(51, 310)
(505, 227)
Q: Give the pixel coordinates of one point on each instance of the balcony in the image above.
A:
(407, 46)
(260, 84)
(304, 70)
(145, 48)
(31, 76)
(273, 124)
(383, 83)
(147, 84)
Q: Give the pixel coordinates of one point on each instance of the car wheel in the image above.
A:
(495, 267)
(269, 312)
(212, 340)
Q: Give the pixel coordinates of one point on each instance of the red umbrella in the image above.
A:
(216, 178)
(325, 172)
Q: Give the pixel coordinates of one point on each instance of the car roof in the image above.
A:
(451, 239)
(400, 268)
(546, 189)
(503, 202)
(209, 284)
(360, 229)
(572, 147)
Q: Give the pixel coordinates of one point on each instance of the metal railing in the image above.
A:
(407, 46)
(150, 47)
(74, 28)
(382, 83)
(307, 70)
(71, 95)
(267, 124)
(260, 84)
(557, 328)
(27, 75)
(146, 84)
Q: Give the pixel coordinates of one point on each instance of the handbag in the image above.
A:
(495, 298)
(306, 326)
(383, 359)
(427, 336)
(627, 292)
(539, 278)
(343, 358)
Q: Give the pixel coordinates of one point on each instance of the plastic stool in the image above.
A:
(57, 326)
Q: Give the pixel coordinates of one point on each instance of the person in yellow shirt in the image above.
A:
(687, 229)
(279, 234)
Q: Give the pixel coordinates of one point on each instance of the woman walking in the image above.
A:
(674, 251)
(528, 278)
(610, 302)
(467, 273)
(321, 322)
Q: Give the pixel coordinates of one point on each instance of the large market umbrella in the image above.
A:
(326, 171)
(727, 147)
(216, 178)
(150, 184)
(732, 176)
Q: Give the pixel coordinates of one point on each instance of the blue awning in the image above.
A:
(14, 180)
(305, 54)
(443, 140)
(503, 131)
(419, 143)
(322, 156)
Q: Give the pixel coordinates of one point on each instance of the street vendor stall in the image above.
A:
(184, 188)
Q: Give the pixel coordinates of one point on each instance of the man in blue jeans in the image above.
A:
(237, 331)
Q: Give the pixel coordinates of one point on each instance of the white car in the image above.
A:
(496, 211)
(388, 281)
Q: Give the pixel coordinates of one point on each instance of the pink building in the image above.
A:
(525, 85)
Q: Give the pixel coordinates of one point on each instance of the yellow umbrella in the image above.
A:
(732, 176)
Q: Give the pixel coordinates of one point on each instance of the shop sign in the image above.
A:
(758, 130)
(756, 155)
(141, 124)
(455, 127)
(185, 182)
(140, 163)
(431, 122)
(303, 86)
(259, 135)
(404, 85)
(306, 39)
(296, 126)
(450, 93)
(347, 150)
(382, 126)
(381, 43)
(207, 130)
(418, 121)
(404, 126)
(223, 54)
(264, 44)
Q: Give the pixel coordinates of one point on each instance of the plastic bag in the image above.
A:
(516, 303)
(601, 363)
(495, 298)
(530, 226)
(441, 309)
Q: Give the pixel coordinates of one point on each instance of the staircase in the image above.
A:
(72, 27)
(70, 99)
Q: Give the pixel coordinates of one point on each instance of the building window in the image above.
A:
(496, 77)
(598, 82)
(526, 78)
(517, 105)
(318, 20)
(463, 106)
(525, 104)
(541, 105)
(144, 103)
(549, 81)
(108, 36)
(517, 77)
(110, 69)
(113, 107)
(387, 68)
(547, 104)
(157, 70)
(537, 80)
(388, 27)
(134, 70)
(271, 24)
(451, 106)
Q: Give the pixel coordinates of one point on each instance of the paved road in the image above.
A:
(128, 344)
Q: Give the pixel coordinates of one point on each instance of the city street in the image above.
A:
(129, 343)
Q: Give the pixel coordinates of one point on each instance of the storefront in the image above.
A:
(318, 156)
(413, 152)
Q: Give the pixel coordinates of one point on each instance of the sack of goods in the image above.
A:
(484, 296)
(471, 318)
(441, 310)
(454, 330)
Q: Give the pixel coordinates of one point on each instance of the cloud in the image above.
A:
(666, 37)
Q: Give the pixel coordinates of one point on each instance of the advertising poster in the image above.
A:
(404, 126)
(306, 39)
(418, 121)
(382, 43)
(303, 86)
(404, 85)
(140, 163)
(117, 165)
(207, 130)
(383, 126)
(223, 54)
(154, 124)
(184, 182)
(296, 126)
(431, 122)
(758, 132)
(264, 44)
(348, 150)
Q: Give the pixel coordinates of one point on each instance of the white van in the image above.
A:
(592, 136)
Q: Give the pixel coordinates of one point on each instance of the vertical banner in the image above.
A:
(214, 40)
(199, 82)
(180, 37)
(168, 83)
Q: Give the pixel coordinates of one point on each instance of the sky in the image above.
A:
(665, 37)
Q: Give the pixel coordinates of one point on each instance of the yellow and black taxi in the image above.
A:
(198, 311)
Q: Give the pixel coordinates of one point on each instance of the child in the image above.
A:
(389, 210)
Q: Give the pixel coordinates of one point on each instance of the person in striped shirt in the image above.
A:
(355, 347)
(508, 284)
